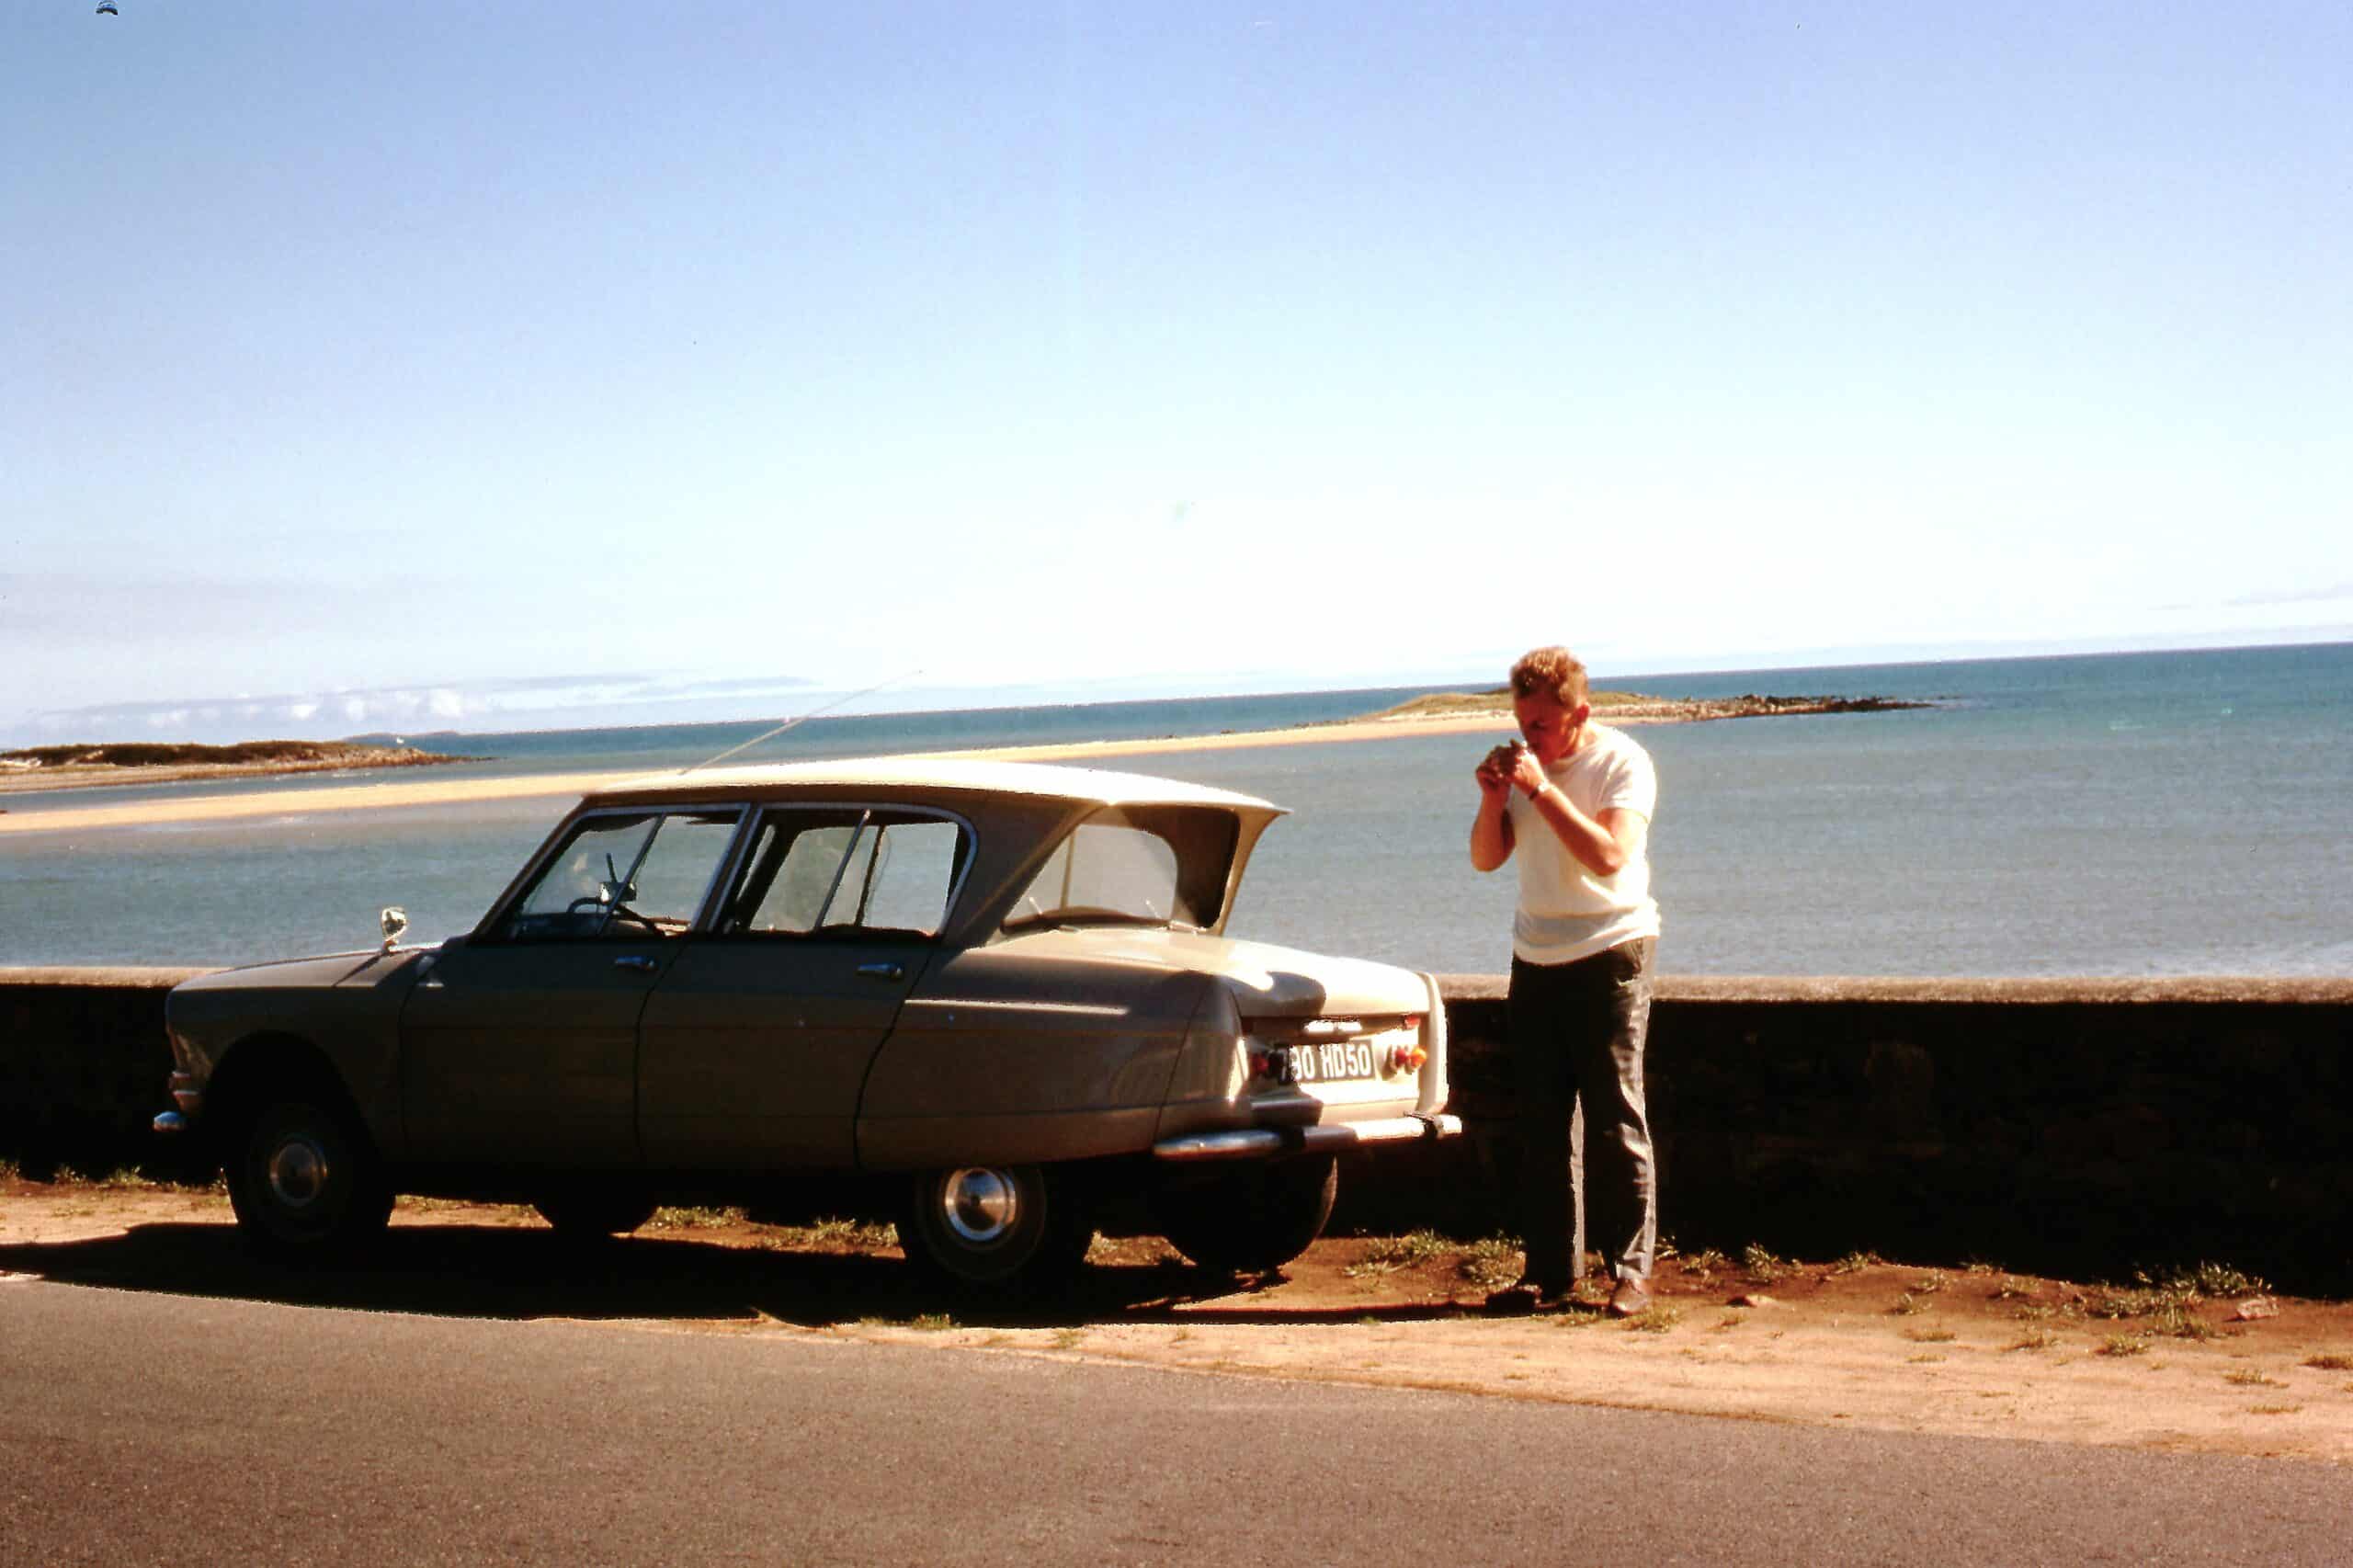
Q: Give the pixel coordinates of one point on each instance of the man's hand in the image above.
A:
(1494, 773)
(1491, 829)
(1527, 773)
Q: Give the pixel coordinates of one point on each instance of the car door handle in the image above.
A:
(883, 971)
(638, 962)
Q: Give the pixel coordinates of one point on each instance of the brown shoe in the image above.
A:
(1631, 1296)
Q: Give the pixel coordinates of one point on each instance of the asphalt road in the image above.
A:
(153, 1429)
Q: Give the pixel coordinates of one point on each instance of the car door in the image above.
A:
(519, 1047)
(756, 1044)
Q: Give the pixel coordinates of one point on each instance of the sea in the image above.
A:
(2124, 815)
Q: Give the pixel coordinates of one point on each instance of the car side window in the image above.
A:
(828, 871)
(1135, 865)
(625, 876)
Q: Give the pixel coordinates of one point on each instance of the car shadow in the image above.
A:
(494, 1272)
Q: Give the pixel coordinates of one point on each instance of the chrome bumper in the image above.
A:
(1260, 1143)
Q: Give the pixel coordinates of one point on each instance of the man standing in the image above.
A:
(1575, 799)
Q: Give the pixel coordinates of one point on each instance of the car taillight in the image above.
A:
(1407, 1057)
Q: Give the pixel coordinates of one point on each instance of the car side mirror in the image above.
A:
(394, 921)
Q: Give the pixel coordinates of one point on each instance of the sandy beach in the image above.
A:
(440, 788)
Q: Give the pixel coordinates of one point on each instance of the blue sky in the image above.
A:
(436, 365)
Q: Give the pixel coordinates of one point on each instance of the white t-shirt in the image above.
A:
(1565, 911)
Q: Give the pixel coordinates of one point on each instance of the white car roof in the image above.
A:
(1049, 781)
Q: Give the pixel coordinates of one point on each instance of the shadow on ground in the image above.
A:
(503, 1272)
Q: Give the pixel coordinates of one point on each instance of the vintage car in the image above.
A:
(992, 1000)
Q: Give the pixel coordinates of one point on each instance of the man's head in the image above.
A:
(1549, 698)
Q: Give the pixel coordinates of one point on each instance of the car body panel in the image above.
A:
(525, 1055)
(753, 1053)
(346, 1006)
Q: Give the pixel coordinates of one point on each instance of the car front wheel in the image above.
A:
(1256, 1219)
(304, 1180)
(1007, 1228)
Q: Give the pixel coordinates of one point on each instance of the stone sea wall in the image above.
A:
(2070, 1126)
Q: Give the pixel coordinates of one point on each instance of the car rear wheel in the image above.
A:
(304, 1180)
(1255, 1219)
(593, 1213)
(1005, 1228)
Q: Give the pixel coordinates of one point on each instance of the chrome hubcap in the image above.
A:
(298, 1173)
(979, 1205)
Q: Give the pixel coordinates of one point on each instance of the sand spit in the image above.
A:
(1472, 714)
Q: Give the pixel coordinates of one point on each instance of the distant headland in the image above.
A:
(1633, 707)
(82, 766)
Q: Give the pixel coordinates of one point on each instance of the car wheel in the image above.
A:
(1254, 1220)
(1010, 1228)
(304, 1179)
(593, 1213)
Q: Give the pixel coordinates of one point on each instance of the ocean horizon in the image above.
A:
(2124, 814)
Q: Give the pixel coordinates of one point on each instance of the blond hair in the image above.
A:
(1554, 671)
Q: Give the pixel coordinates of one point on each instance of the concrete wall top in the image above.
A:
(2071, 991)
(2315, 991)
(129, 976)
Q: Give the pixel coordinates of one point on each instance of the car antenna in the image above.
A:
(797, 718)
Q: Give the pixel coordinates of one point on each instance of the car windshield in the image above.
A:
(1136, 865)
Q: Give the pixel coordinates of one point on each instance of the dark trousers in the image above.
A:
(1577, 1031)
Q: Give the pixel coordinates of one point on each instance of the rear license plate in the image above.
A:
(1327, 1061)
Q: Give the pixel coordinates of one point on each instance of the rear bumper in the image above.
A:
(1264, 1143)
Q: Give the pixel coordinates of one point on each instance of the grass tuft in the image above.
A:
(2329, 1361)
(2123, 1345)
(1388, 1254)
(2209, 1280)
(1856, 1262)
(867, 1235)
(1491, 1263)
(1908, 1305)
(1761, 1265)
(1656, 1318)
(931, 1323)
(2248, 1378)
(689, 1219)
(1705, 1263)
(2033, 1339)
(1930, 1335)
(2166, 1309)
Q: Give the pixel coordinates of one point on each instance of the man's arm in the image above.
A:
(1603, 843)
(1490, 838)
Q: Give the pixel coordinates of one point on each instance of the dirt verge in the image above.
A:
(2183, 1365)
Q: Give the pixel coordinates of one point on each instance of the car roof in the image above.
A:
(956, 775)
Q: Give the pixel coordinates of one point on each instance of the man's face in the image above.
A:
(1549, 725)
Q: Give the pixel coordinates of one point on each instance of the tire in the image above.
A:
(305, 1180)
(593, 1214)
(1257, 1219)
(1011, 1230)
